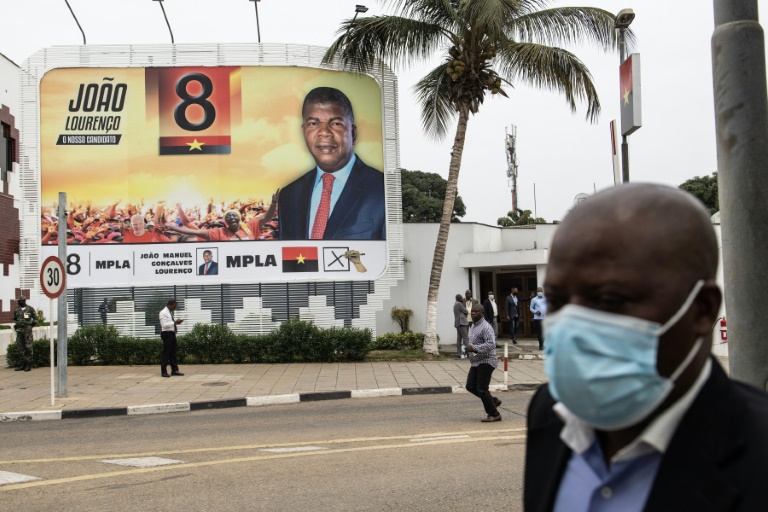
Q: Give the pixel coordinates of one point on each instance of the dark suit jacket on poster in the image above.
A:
(357, 215)
(212, 270)
(716, 460)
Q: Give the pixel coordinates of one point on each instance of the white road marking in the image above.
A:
(295, 449)
(143, 462)
(6, 477)
(443, 438)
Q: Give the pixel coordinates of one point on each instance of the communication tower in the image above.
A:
(511, 149)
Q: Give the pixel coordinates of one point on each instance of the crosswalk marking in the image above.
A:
(442, 438)
(143, 462)
(296, 449)
(6, 477)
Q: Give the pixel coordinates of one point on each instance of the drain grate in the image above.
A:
(220, 383)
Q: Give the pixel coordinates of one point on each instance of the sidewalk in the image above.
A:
(100, 388)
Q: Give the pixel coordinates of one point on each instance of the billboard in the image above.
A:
(205, 174)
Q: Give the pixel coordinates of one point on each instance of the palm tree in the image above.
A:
(486, 44)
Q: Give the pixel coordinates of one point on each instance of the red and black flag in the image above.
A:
(192, 145)
(629, 73)
(300, 259)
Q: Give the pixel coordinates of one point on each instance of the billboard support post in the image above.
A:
(61, 338)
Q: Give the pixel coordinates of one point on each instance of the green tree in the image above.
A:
(705, 188)
(423, 196)
(519, 218)
(485, 44)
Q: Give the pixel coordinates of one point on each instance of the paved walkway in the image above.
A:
(122, 386)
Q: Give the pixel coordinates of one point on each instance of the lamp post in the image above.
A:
(258, 28)
(78, 24)
(621, 23)
(358, 9)
(166, 19)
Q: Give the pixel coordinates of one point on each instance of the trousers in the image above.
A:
(461, 338)
(478, 380)
(169, 351)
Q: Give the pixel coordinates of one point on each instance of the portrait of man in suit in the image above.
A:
(342, 198)
(209, 267)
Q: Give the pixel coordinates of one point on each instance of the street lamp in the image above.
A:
(258, 29)
(621, 23)
(78, 23)
(359, 9)
(166, 19)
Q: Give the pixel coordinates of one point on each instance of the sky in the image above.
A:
(560, 153)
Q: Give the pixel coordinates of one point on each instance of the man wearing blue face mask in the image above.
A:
(637, 416)
(539, 310)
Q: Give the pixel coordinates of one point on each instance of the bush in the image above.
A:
(402, 316)
(295, 340)
(399, 341)
(97, 341)
(348, 343)
(211, 344)
(40, 354)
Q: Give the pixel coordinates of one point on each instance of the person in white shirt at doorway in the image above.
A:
(539, 310)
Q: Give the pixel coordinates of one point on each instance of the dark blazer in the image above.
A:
(357, 215)
(488, 310)
(716, 460)
(511, 307)
(459, 314)
(212, 270)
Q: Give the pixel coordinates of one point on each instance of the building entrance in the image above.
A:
(525, 282)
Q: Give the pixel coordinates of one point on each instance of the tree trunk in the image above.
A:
(430, 340)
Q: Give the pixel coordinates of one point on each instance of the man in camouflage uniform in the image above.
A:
(24, 318)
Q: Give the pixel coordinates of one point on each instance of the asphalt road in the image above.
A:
(419, 453)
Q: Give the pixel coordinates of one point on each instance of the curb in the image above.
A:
(256, 401)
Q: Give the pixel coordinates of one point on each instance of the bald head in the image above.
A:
(656, 226)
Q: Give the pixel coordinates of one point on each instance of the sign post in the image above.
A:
(52, 279)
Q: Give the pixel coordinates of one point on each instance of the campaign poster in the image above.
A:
(200, 175)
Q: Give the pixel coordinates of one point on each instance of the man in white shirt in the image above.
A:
(168, 326)
(637, 415)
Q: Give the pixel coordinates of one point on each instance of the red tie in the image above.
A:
(321, 217)
(205, 269)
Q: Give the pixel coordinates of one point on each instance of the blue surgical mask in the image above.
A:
(539, 294)
(602, 366)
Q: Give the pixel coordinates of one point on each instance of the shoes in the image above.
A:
(177, 374)
(541, 347)
(514, 342)
(491, 419)
(496, 401)
(21, 368)
(164, 374)
(27, 368)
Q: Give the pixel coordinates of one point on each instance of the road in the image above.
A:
(418, 453)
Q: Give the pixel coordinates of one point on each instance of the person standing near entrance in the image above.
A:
(491, 312)
(482, 353)
(460, 323)
(512, 309)
(539, 310)
(469, 302)
(169, 326)
(103, 310)
(24, 319)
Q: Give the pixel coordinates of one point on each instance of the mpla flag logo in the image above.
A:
(300, 259)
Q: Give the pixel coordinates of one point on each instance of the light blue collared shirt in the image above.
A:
(591, 485)
(338, 186)
(539, 304)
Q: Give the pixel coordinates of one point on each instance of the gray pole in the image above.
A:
(741, 115)
(61, 332)
(624, 143)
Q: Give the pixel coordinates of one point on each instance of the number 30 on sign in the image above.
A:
(52, 277)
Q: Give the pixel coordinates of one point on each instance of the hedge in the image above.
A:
(400, 341)
(293, 341)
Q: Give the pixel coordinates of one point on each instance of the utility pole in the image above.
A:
(741, 115)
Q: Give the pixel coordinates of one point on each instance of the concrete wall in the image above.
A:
(10, 239)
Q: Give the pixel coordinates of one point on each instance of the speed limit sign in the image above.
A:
(52, 277)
